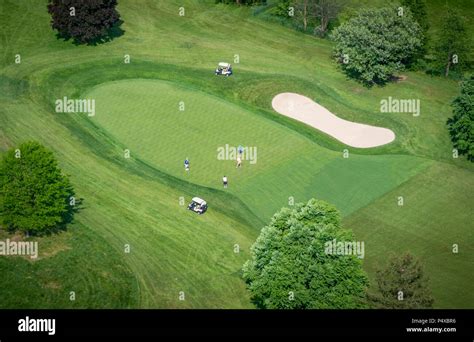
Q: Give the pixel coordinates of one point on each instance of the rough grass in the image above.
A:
(436, 214)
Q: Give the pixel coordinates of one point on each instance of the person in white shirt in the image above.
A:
(239, 162)
(224, 180)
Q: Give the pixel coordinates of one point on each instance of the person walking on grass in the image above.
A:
(186, 164)
(239, 162)
(224, 181)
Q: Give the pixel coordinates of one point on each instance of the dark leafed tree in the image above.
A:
(452, 45)
(85, 21)
(291, 268)
(402, 284)
(35, 197)
(461, 125)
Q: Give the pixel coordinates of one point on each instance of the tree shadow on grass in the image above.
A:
(68, 217)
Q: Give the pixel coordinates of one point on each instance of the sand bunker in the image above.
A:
(354, 134)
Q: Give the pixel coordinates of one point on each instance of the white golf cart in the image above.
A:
(198, 205)
(224, 69)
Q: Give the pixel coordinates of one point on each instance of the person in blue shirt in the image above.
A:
(186, 164)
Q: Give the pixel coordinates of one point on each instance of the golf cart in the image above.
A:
(198, 205)
(224, 69)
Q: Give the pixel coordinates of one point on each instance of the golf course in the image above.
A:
(133, 243)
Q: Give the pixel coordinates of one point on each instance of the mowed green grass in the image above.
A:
(435, 216)
(169, 253)
(145, 117)
(67, 274)
(137, 201)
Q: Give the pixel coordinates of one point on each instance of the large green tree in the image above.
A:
(461, 125)
(377, 43)
(402, 284)
(85, 21)
(452, 45)
(291, 267)
(35, 197)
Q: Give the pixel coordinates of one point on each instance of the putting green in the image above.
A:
(148, 118)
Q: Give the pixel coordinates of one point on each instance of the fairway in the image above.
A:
(133, 243)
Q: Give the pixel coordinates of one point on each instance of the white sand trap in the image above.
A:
(354, 134)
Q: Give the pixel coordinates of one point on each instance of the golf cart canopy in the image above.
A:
(199, 201)
(224, 65)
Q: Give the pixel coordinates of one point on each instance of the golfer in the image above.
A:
(239, 162)
(224, 180)
(186, 164)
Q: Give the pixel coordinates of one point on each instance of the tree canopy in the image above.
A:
(85, 21)
(461, 125)
(402, 284)
(290, 266)
(452, 45)
(34, 195)
(418, 11)
(377, 43)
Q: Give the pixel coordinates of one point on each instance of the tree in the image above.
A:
(85, 21)
(402, 284)
(327, 10)
(291, 268)
(453, 45)
(35, 195)
(377, 43)
(418, 10)
(304, 10)
(461, 125)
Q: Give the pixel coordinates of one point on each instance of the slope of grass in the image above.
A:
(78, 261)
(169, 253)
(438, 212)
